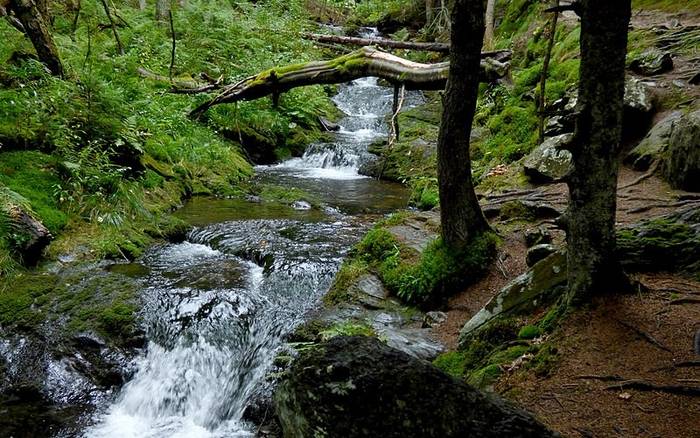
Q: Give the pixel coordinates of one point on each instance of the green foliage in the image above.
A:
(347, 328)
(529, 332)
(349, 272)
(377, 245)
(452, 362)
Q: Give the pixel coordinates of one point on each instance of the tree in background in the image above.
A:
(33, 16)
(460, 213)
(590, 220)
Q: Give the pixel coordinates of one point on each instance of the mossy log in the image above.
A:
(380, 42)
(358, 64)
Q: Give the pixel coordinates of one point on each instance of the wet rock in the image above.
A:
(653, 146)
(301, 205)
(327, 125)
(358, 387)
(652, 62)
(536, 236)
(539, 252)
(413, 235)
(370, 292)
(536, 287)
(434, 319)
(681, 168)
(549, 161)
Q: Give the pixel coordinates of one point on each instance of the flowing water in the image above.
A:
(218, 305)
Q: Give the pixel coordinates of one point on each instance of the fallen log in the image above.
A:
(358, 64)
(499, 55)
(379, 42)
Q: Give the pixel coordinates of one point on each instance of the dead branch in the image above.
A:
(360, 63)
(652, 340)
(643, 385)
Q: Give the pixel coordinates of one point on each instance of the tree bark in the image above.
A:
(490, 23)
(162, 8)
(37, 29)
(361, 63)
(592, 265)
(142, 4)
(460, 215)
(381, 42)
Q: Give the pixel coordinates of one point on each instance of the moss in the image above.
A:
(452, 363)
(508, 355)
(529, 332)
(551, 319)
(19, 300)
(377, 245)
(349, 272)
(543, 363)
(347, 328)
(516, 210)
(485, 376)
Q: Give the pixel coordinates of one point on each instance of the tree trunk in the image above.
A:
(429, 12)
(490, 23)
(460, 215)
(142, 4)
(360, 63)
(37, 29)
(162, 9)
(593, 267)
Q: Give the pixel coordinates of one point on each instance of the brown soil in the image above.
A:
(599, 341)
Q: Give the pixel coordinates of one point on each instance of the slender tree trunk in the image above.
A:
(37, 29)
(460, 214)
(162, 9)
(429, 12)
(490, 23)
(142, 4)
(592, 266)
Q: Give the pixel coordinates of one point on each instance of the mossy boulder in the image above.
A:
(655, 144)
(535, 288)
(549, 161)
(360, 387)
(666, 243)
(681, 168)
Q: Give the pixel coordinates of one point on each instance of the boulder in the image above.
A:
(28, 236)
(681, 168)
(549, 161)
(359, 387)
(638, 97)
(536, 236)
(539, 252)
(652, 62)
(536, 287)
(654, 145)
(369, 291)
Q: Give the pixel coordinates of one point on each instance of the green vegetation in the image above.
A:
(413, 277)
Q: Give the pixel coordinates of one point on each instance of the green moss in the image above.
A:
(516, 210)
(452, 363)
(349, 272)
(485, 376)
(347, 328)
(378, 245)
(508, 355)
(529, 332)
(544, 361)
(21, 299)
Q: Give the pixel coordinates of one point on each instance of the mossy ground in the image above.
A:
(416, 278)
(104, 156)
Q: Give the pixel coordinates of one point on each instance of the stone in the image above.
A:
(359, 387)
(539, 252)
(652, 62)
(301, 205)
(549, 161)
(434, 318)
(654, 145)
(681, 168)
(538, 286)
(559, 125)
(536, 236)
(413, 236)
(369, 291)
(638, 98)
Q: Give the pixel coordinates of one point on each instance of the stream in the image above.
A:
(217, 306)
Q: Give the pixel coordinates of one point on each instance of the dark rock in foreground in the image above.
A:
(359, 387)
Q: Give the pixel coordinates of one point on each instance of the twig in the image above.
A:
(654, 167)
(120, 48)
(172, 52)
(644, 334)
(643, 385)
(685, 300)
(604, 378)
(651, 207)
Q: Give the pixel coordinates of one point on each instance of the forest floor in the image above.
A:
(608, 340)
